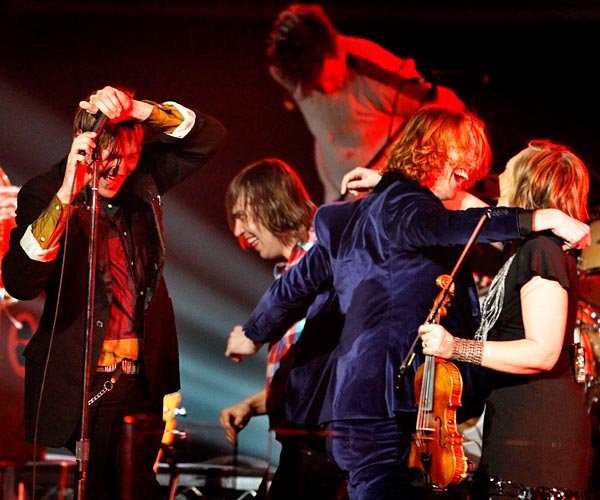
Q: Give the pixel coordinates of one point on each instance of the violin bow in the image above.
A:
(408, 359)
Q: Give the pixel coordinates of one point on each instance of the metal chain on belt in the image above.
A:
(108, 385)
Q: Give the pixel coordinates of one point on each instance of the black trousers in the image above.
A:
(306, 472)
(122, 454)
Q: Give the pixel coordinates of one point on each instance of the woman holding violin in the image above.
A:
(537, 433)
(382, 255)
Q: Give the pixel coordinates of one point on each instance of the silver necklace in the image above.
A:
(492, 303)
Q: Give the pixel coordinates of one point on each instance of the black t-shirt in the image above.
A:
(537, 430)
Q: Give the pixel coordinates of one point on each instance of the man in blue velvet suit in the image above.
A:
(382, 254)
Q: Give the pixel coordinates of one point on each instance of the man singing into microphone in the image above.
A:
(134, 353)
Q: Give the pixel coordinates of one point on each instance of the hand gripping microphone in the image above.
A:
(99, 123)
(97, 126)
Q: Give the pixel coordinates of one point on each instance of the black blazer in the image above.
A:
(162, 165)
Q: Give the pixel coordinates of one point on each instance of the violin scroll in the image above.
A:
(446, 283)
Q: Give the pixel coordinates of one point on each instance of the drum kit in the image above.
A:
(198, 462)
(587, 331)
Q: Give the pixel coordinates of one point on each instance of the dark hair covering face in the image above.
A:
(113, 136)
(300, 40)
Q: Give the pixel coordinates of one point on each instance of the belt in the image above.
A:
(128, 367)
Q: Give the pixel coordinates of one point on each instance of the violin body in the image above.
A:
(437, 445)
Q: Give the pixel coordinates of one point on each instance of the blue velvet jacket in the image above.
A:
(382, 255)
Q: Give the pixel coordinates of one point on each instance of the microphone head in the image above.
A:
(99, 122)
(88, 122)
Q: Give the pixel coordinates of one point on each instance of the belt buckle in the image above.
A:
(107, 368)
(129, 367)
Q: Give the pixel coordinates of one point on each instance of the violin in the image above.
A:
(437, 445)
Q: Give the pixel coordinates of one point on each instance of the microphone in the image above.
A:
(99, 123)
(97, 126)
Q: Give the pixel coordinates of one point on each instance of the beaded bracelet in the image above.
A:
(470, 351)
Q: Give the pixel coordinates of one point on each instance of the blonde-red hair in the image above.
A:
(422, 150)
(548, 175)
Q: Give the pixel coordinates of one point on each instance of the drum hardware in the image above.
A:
(8, 204)
(211, 479)
(193, 492)
(247, 494)
(593, 408)
(587, 331)
(189, 493)
(589, 267)
(580, 364)
(216, 474)
(590, 256)
(587, 335)
(4, 308)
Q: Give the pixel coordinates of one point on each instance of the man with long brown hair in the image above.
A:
(270, 211)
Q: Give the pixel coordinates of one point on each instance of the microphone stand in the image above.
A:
(82, 447)
(408, 359)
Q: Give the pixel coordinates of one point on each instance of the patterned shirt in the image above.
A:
(278, 349)
(42, 242)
